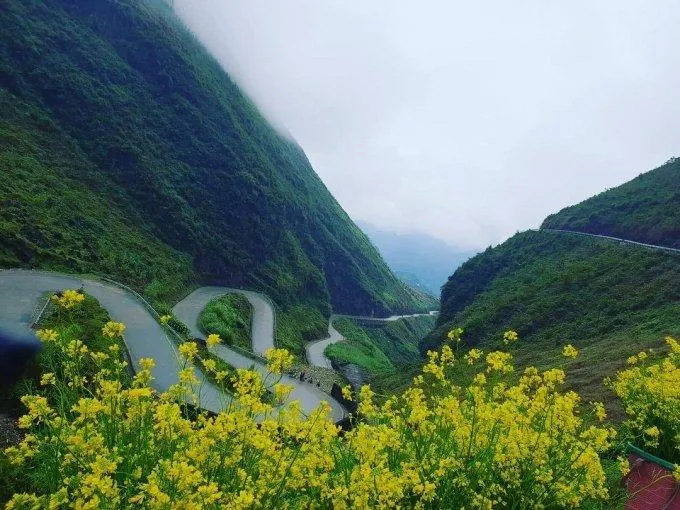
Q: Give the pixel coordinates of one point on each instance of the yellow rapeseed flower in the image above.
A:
(213, 339)
(455, 335)
(499, 361)
(570, 351)
(624, 465)
(510, 336)
(188, 376)
(147, 363)
(600, 411)
(113, 329)
(47, 379)
(278, 360)
(188, 350)
(68, 299)
(47, 335)
(472, 356)
(282, 391)
(652, 432)
(347, 393)
(210, 365)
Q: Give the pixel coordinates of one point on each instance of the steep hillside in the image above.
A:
(420, 260)
(646, 209)
(127, 150)
(379, 349)
(608, 299)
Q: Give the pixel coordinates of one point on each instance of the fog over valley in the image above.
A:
(464, 121)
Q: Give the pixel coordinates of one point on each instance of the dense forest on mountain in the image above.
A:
(125, 149)
(645, 209)
(609, 299)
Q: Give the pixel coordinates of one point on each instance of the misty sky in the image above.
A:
(465, 120)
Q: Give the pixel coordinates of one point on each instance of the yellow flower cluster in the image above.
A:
(510, 336)
(455, 335)
(493, 443)
(113, 329)
(570, 351)
(47, 335)
(651, 398)
(278, 360)
(188, 350)
(213, 339)
(68, 299)
(165, 319)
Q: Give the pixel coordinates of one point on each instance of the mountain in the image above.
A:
(609, 299)
(127, 150)
(646, 209)
(422, 261)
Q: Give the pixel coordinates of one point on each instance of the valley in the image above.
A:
(215, 331)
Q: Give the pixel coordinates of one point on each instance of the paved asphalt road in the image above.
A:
(610, 238)
(188, 311)
(315, 350)
(21, 290)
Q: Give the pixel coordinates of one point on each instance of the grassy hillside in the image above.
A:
(646, 209)
(127, 150)
(231, 317)
(609, 300)
(380, 348)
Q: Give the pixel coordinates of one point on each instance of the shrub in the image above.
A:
(650, 393)
(491, 443)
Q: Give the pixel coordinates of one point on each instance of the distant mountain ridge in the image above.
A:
(645, 209)
(609, 299)
(126, 149)
(421, 260)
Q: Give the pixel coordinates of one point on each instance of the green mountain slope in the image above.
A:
(608, 299)
(127, 150)
(645, 209)
(380, 347)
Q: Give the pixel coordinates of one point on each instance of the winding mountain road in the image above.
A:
(611, 238)
(188, 311)
(315, 350)
(21, 290)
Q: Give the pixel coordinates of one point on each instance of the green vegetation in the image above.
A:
(85, 323)
(93, 441)
(297, 326)
(646, 209)
(229, 316)
(380, 348)
(609, 300)
(51, 218)
(358, 348)
(126, 150)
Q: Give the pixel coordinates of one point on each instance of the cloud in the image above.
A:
(467, 121)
